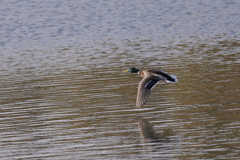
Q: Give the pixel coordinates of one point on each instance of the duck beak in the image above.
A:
(126, 70)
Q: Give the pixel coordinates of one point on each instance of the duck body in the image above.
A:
(150, 79)
(158, 75)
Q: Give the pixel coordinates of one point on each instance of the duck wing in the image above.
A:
(164, 76)
(144, 90)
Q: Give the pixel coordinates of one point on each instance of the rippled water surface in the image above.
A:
(64, 95)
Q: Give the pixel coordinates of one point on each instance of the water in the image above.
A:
(64, 95)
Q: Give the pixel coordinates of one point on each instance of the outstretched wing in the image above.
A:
(144, 91)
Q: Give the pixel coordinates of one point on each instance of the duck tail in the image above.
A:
(174, 79)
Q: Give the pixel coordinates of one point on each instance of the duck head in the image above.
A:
(132, 70)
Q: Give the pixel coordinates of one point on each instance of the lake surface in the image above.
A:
(64, 95)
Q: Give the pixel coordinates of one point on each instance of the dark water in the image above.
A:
(64, 95)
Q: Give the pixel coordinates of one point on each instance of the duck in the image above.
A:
(150, 79)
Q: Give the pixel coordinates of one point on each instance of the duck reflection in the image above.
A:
(153, 141)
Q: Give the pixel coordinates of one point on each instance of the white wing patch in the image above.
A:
(173, 77)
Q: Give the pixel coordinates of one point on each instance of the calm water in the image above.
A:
(64, 95)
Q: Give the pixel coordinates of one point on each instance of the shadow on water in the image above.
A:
(162, 143)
